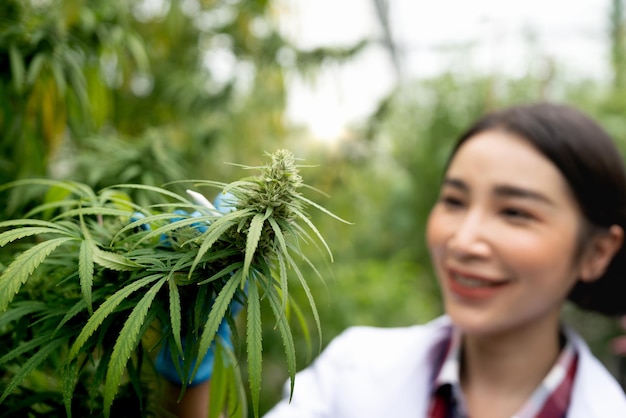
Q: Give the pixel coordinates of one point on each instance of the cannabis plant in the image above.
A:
(95, 284)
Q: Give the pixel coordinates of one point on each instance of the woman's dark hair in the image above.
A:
(590, 162)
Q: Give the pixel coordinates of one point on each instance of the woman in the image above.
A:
(532, 211)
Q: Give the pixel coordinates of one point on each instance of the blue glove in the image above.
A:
(166, 368)
(164, 364)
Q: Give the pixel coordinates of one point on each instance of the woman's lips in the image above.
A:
(470, 286)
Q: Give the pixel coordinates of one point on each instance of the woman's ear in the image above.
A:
(599, 252)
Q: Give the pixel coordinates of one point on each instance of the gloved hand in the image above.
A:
(166, 367)
(164, 364)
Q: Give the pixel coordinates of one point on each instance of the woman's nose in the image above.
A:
(469, 237)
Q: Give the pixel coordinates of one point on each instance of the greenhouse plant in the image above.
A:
(98, 285)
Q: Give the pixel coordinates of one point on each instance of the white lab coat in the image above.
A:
(386, 372)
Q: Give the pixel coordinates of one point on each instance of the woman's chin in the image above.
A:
(471, 322)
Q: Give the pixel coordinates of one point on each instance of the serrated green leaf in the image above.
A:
(69, 380)
(19, 310)
(15, 234)
(147, 220)
(197, 183)
(175, 312)
(252, 241)
(79, 189)
(126, 343)
(154, 189)
(25, 347)
(168, 228)
(47, 209)
(307, 221)
(241, 186)
(254, 342)
(282, 272)
(223, 272)
(285, 332)
(97, 210)
(301, 236)
(284, 283)
(18, 272)
(33, 222)
(312, 266)
(113, 261)
(217, 314)
(321, 208)
(85, 271)
(219, 382)
(72, 312)
(236, 390)
(278, 233)
(120, 200)
(309, 296)
(215, 231)
(30, 365)
(293, 306)
(106, 308)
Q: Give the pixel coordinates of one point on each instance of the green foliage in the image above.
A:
(108, 92)
(121, 269)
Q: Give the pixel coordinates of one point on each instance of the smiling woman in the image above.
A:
(532, 211)
(505, 234)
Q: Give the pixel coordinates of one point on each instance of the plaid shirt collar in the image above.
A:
(550, 399)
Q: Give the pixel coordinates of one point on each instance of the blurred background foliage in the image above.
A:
(114, 91)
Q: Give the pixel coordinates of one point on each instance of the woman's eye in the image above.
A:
(517, 214)
(451, 201)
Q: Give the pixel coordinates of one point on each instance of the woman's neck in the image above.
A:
(500, 372)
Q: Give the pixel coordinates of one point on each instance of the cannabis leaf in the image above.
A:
(138, 277)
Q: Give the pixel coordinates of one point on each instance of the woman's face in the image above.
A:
(503, 236)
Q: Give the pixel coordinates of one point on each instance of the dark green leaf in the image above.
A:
(126, 343)
(18, 272)
(224, 272)
(19, 310)
(218, 311)
(285, 332)
(113, 261)
(307, 221)
(219, 382)
(175, 312)
(70, 377)
(254, 342)
(25, 348)
(16, 234)
(309, 296)
(31, 365)
(252, 241)
(106, 308)
(85, 271)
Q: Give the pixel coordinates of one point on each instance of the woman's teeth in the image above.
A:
(471, 282)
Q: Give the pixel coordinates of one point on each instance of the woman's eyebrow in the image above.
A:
(501, 191)
(520, 192)
(456, 183)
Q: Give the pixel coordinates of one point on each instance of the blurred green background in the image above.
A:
(109, 91)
